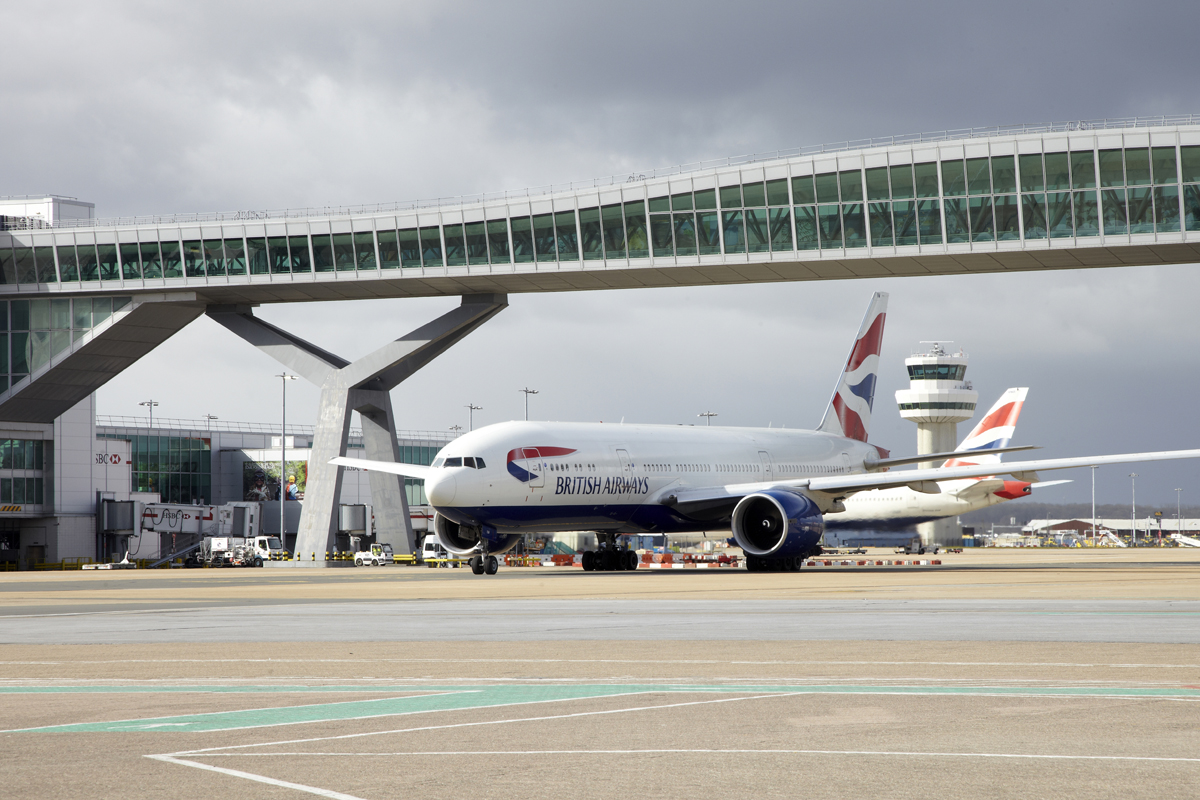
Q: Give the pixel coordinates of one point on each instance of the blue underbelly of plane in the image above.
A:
(632, 518)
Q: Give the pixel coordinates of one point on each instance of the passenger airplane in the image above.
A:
(902, 507)
(771, 487)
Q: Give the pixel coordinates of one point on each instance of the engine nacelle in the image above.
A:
(777, 523)
(464, 540)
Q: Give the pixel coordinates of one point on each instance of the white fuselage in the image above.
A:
(593, 476)
(902, 507)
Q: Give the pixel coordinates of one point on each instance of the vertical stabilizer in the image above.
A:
(849, 411)
(994, 430)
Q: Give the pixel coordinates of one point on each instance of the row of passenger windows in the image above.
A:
(831, 210)
(938, 405)
(937, 372)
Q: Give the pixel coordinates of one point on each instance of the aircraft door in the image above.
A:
(626, 464)
(535, 467)
(767, 472)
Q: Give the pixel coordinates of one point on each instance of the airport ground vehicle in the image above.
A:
(236, 551)
(377, 555)
(772, 488)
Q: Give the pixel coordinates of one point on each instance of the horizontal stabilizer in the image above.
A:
(1045, 484)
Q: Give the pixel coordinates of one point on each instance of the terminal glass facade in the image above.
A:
(22, 462)
(32, 332)
(178, 468)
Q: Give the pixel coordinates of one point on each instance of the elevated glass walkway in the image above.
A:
(1077, 195)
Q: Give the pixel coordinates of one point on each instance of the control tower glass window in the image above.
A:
(936, 372)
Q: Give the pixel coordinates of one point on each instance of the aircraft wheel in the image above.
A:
(631, 560)
(476, 565)
(492, 565)
(609, 560)
(751, 563)
(798, 561)
(588, 560)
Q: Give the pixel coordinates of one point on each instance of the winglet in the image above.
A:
(849, 411)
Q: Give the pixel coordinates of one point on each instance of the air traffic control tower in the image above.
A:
(937, 399)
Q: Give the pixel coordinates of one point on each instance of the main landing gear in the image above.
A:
(609, 558)
(482, 564)
(785, 564)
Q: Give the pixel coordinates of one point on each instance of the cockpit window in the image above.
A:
(469, 461)
(438, 462)
(454, 462)
(479, 463)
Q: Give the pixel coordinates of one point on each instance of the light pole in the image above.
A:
(210, 418)
(150, 404)
(456, 429)
(708, 415)
(1178, 518)
(527, 392)
(283, 379)
(471, 418)
(1094, 468)
(1133, 506)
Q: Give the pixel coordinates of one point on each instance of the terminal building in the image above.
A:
(53, 477)
(81, 298)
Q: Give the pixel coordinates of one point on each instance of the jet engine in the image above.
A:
(465, 540)
(778, 524)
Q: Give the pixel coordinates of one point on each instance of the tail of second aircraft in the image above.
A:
(849, 411)
(994, 430)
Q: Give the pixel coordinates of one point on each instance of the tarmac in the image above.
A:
(996, 674)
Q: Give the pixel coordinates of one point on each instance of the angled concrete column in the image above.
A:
(361, 386)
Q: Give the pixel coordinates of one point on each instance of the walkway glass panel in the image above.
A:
(685, 233)
(498, 250)
(543, 237)
(456, 245)
(592, 234)
(364, 250)
(567, 236)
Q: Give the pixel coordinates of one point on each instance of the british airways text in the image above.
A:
(582, 485)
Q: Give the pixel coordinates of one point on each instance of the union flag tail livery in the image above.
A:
(849, 411)
(994, 430)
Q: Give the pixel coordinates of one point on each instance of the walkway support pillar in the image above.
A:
(363, 386)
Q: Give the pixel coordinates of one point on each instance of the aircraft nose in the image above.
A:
(440, 489)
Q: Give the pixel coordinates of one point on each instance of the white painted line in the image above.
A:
(711, 751)
(258, 778)
(490, 722)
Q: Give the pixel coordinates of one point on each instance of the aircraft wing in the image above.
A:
(407, 470)
(1022, 470)
(709, 499)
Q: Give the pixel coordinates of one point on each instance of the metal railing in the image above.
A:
(617, 180)
(224, 426)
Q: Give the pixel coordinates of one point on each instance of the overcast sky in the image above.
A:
(156, 108)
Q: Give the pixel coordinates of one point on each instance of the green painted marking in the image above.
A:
(454, 698)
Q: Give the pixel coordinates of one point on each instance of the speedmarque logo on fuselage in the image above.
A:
(533, 454)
